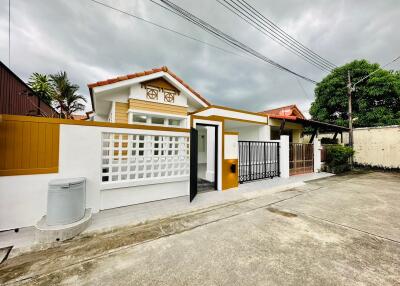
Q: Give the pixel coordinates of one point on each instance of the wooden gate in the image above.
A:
(301, 158)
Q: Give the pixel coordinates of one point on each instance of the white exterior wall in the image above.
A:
(23, 199)
(253, 133)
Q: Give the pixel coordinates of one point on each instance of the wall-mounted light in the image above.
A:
(233, 168)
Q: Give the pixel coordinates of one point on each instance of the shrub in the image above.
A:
(337, 158)
(326, 140)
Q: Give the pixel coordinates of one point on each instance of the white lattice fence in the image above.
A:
(140, 157)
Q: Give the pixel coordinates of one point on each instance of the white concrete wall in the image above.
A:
(135, 195)
(377, 146)
(23, 199)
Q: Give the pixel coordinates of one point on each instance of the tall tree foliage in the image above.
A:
(57, 90)
(376, 100)
(40, 84)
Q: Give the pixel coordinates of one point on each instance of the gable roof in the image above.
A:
(289, 111)
(140, 74)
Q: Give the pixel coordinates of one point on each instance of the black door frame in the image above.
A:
(193, 169)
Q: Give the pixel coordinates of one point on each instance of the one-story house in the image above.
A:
(158, 97)
(150, 137)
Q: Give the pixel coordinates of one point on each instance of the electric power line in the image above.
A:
(385, 65)
(224, 37)
(302, 88)
(161, 27)
(273, 34)
(282, 33)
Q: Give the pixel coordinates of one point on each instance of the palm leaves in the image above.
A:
(40, 84)
(61, 92)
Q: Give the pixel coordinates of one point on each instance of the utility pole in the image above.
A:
(349, 90)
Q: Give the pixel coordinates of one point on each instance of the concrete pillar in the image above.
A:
(284, 156)
(317, 155)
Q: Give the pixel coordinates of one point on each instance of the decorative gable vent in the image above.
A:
(152, 92)
(154, 86)
(169, 96)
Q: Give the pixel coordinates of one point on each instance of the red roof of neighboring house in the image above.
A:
(79, 116)
(139, 74)
(289, 112)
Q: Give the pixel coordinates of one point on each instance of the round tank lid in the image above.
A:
(66, 182)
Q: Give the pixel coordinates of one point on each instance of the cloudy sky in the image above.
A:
(93, 43)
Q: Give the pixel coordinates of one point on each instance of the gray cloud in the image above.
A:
(93, 43)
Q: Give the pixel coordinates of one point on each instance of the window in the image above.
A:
(139, 118)
(157, 120)
(133, 157)
(174, 122)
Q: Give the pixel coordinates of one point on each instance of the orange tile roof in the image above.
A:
(140, 74)
(79, 116)
(289, 111)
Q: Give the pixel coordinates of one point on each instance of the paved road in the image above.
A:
(335, 231)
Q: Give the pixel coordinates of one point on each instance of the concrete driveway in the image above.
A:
(343, 230)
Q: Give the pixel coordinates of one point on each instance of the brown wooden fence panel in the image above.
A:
(28, 146)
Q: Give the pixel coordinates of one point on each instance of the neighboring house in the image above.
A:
(79, 116)
(17, 98)
(289, 120)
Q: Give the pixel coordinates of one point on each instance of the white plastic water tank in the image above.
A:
(66, 201)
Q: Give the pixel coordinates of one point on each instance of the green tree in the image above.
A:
(376, 100)
(64, 94)
(40, 84)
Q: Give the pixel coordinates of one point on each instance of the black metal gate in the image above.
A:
(258, 160)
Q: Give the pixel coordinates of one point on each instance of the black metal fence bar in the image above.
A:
(258, 160)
